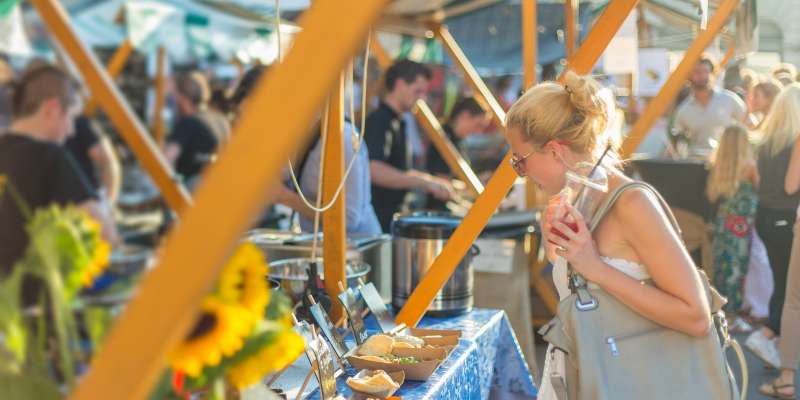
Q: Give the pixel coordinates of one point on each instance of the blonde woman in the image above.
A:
(732, 184)
(763, 95)
(777, 209)
(552, 129)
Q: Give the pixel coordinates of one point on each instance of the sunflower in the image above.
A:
(243, 281)
(219, 331)
(98, 263)
(271, 356)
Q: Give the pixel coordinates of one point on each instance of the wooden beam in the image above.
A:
(726, 58)
(477, 217)
(104, 90)
(484, 95)
(533, 197)
(333, 220)
(659, 104)
(458, 165)
(529, 42)
(232, 194)
(161, 97)
(570, 21)
(114, 67)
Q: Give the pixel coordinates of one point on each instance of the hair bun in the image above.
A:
(584, 95)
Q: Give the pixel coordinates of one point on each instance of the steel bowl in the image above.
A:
(291, 273)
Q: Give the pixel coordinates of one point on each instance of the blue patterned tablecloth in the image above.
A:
(487, 363)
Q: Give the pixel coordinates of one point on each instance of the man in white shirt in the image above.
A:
(704, 115)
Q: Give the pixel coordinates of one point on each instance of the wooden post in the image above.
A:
(570, 20)
(667, 94)
(601, 34)
(533, 198)
(158, 108)
(231, 196)
(334, 244)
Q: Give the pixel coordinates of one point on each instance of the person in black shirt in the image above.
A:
(389, 151)
(466, 118)
(96, 158)
(44, 104)
(194, 140)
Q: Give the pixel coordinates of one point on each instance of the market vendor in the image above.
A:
(359, 215)
(44, 104)
(466, 118)
(389, 151)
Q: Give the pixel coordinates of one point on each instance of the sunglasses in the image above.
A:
(518, 164)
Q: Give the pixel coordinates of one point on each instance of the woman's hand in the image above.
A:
(579, 250)
(550, 214)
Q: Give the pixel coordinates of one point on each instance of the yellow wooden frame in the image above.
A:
(570, 31)
(659, 104)
(582, 62)
(333, 220)
(232, 193)
(159, 129)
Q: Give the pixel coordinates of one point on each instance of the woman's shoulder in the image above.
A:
(638, 205)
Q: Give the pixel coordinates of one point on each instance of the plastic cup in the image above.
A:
(584, 193)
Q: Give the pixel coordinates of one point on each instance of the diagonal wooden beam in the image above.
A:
(333, 220)
(582, 62)
(232, 194)
(484, 95)
(114, 67)
(659, 104)
(727, 57)
(104, 90)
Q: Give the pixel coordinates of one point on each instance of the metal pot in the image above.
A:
(293, 278)
(418, 240)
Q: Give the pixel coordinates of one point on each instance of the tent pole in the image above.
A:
(158, 108)
(333, 220)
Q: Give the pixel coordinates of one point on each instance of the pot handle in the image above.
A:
(475, 250)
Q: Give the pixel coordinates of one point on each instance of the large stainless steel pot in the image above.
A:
(292, 276)
(418, 240)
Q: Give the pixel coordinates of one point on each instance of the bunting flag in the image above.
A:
(13, 39)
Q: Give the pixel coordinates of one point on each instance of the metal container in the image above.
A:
(418, 240)
(372, 250)
(293, 278)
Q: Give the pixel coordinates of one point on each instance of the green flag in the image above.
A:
(6, 6)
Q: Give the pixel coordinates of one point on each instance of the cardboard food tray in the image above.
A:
(419, 332)
(399, 377)
(421, 371)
